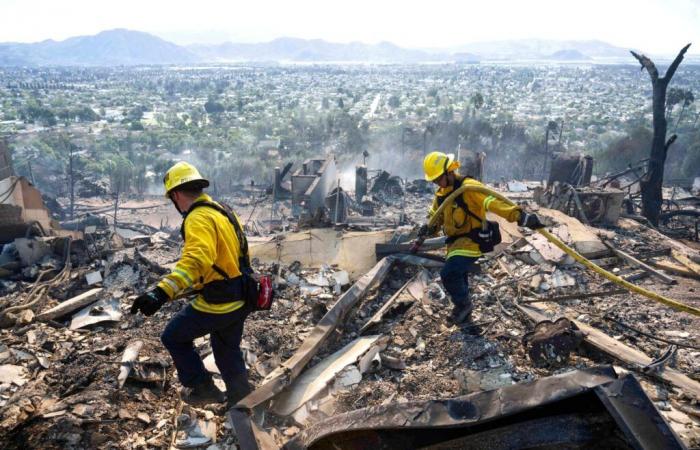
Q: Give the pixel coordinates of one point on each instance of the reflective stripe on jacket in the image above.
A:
(456, 221)
(210, 239)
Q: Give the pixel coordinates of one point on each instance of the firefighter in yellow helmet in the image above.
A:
(464, 223)
(212, 261)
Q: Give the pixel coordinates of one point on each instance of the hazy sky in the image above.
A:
(654, 26)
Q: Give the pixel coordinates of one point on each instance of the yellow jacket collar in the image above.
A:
(202, 198)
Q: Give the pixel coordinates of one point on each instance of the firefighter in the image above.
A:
(462, 223)
(212, 261)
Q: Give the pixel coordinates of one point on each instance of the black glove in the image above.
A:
(530, 221)
(150, 302)
(423, 231)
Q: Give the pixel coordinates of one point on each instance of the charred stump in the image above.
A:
(651, 183)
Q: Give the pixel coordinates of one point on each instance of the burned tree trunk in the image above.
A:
(71, 180)
(652, 181)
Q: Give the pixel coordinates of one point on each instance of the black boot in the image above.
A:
(204, 394)
(236, 389)
(461, 314)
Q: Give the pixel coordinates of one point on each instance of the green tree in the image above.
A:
(213, 107)
(394, 101)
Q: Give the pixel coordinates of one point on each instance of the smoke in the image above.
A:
(347, 178)
(408, 166)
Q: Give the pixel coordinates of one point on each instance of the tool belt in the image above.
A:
(486, 238)
(256, 292)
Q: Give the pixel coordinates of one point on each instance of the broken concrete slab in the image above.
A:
(546, 251)
(353, 251)
(106, 310)
(516, 186)
(582, 237)
(10, 373)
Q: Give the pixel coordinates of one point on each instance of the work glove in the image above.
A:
(149, 302)
(424, 231)
(530, 221)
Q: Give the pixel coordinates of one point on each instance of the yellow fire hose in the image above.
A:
(569, 251)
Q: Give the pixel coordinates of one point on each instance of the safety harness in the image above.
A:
(256, 291)
(487, 236)
(244, 259)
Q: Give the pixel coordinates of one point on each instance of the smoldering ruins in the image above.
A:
(357, 350)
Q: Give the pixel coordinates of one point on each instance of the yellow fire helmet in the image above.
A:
(180, 174)
(437, 163)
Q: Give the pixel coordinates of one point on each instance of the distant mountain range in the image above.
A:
(108, 48)
(303, 50)
(125, 47)
(546, 49)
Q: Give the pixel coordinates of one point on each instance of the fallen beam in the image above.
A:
(383, 250)
(690, 265)
(71, 305)
(417, 260)
(580, 295)
(637, 263)
(675, 269)
(290, 369)
(618, 350)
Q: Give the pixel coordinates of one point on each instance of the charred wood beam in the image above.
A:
(71, 305)
(634, 358)
(637, 263)
(580, 295)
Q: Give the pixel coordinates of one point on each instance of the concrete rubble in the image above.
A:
(358, 334)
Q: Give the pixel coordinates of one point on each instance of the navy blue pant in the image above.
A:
(225, 330)
(454, 278)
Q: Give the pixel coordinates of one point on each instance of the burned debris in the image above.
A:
(358, 350)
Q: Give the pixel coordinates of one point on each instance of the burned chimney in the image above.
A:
(360, 183)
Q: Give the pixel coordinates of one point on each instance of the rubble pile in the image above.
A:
(345, 332)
